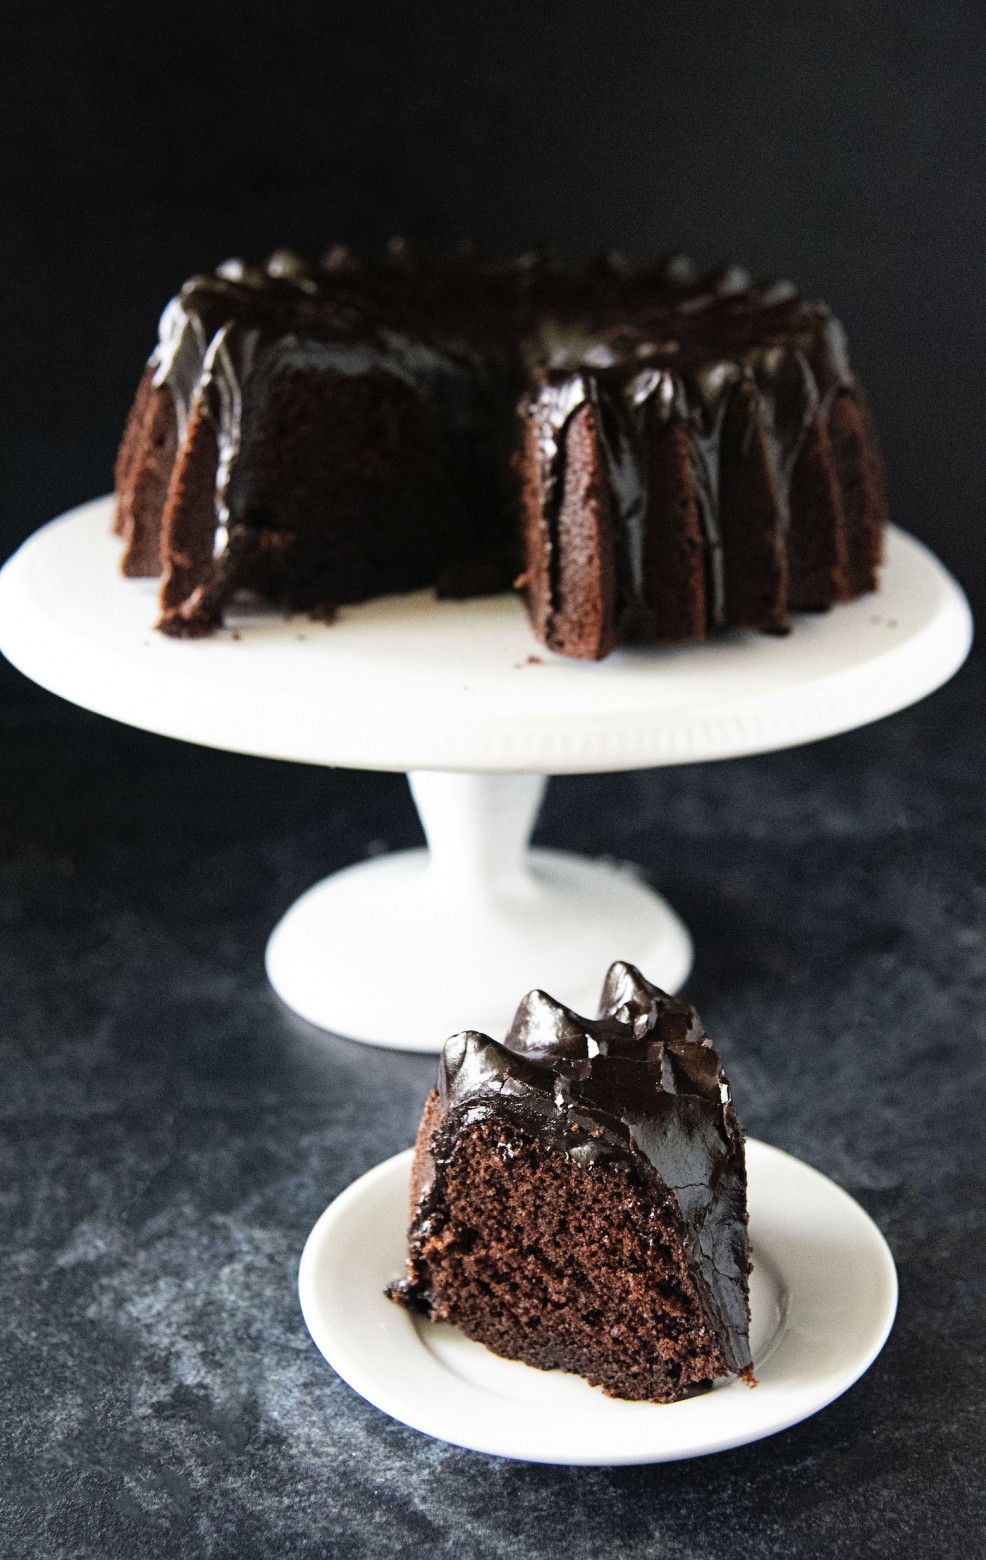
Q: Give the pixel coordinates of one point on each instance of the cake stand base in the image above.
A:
(407, 949)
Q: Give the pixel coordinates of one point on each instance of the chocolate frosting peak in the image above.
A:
(643, 1046)
(640, 1087)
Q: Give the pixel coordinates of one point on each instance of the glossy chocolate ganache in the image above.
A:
(578, 1197)
(651, 454)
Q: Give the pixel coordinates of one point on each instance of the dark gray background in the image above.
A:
(170, 1133)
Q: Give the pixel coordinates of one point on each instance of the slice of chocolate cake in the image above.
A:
(578, 1196)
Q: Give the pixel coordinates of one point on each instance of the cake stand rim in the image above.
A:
(52, 651)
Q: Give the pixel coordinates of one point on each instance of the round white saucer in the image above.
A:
(823, 1294)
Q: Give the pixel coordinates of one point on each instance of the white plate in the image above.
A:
(823, 1295)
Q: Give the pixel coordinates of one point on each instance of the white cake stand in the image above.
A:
(404, 949)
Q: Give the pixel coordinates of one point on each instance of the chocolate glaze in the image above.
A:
(640, 1087)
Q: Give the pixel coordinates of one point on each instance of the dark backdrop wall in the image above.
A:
(844, 145)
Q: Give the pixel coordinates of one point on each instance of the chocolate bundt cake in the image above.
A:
(651, 455)
(578, 1196)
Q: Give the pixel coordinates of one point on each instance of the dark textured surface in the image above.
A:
(171, 1133)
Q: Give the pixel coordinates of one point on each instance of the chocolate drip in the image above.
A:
(707, 410)
(177, 361)
(620, 416)
(788, 401)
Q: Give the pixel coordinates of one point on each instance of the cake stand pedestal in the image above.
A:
(461, 930)
(404, 949)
